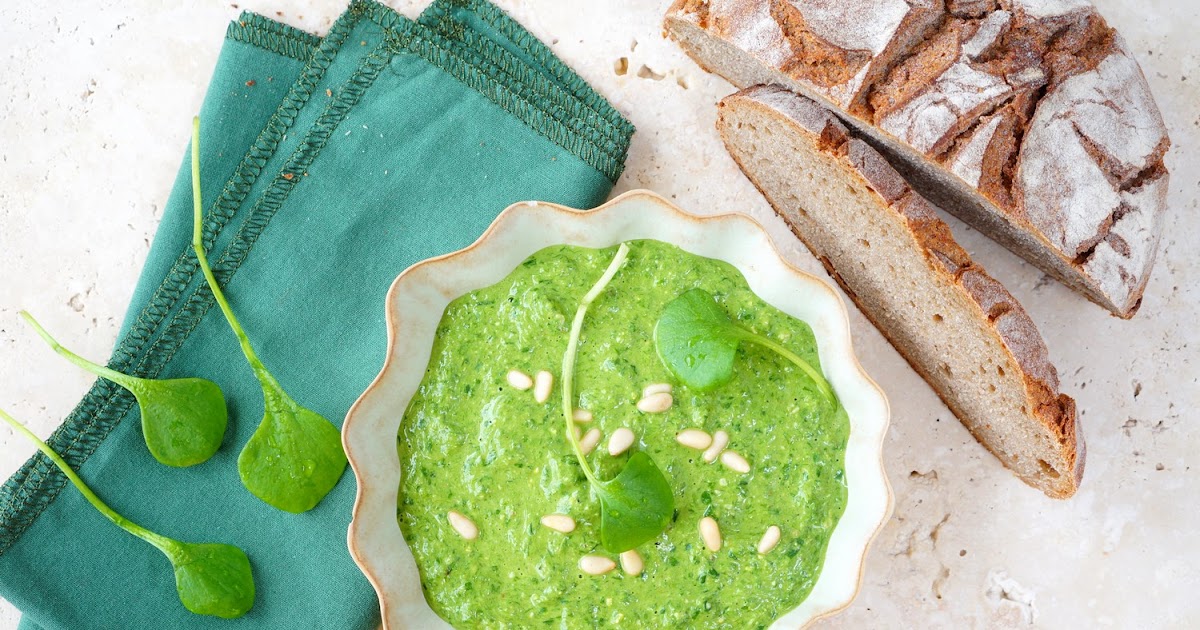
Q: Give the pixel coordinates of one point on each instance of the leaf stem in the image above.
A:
(198, 246)
(804, 366)
(94, 368)
(164, 544)
(568, 369)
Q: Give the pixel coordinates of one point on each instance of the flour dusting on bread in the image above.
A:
(1028, 119)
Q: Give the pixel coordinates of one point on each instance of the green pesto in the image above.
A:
(469, 442)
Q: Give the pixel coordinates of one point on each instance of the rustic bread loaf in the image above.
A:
(1029, 119)
(884, 244)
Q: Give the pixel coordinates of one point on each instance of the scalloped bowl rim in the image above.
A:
(417, 299)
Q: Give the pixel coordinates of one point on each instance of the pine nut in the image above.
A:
(631, 563)
(655, 403)
(589, 441)
(710, 533)
(769, 540)
(735, 462)
(620, 441)
(463, 525)
(581, 415)
(559, 522)
(596, 565)
(519, 380)
(542, 383)
(656, 388)
(694, 438)
(719, 442)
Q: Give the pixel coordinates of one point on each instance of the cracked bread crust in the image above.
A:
(1091, 148)
(836, 48)
(1029, 119)
(993, 305)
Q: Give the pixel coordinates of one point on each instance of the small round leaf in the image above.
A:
(294, 458)
(696, 341)
(183, 420)
(213, 579)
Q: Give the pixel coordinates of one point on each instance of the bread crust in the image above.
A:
(1012, 326)
(1035, 122)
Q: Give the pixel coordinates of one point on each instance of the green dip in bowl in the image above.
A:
(472, 443)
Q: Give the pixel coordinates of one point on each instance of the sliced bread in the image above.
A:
(1029, 119)
(884, 244)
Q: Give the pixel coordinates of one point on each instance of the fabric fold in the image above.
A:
(489, 38)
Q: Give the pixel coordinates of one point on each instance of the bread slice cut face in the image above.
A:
(1028, 119)
(887, 248)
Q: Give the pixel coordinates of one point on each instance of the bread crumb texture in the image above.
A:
(886, 246)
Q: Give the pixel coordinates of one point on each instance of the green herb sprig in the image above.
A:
(183, 419)
(637, 504)
(211, 579)
(295, 456)
(697, 342)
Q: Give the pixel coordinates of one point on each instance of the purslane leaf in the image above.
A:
(295, 456)
(694, 340)
(211, 578)
(637, 504)
(183, 419)
(698, 343)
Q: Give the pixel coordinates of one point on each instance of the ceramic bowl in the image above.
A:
(420, 295)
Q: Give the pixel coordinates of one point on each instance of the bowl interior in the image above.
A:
(420, 295)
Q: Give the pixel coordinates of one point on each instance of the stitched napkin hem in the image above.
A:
(173, 311)
(268, 34)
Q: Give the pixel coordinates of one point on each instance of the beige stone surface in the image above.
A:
(94, 116)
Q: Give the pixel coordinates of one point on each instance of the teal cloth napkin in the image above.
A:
(329, 165)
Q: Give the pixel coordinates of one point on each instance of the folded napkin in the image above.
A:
(329, 166)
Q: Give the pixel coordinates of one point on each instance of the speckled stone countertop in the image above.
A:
(94, 117)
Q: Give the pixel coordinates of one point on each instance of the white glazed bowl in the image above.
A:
(420, 295)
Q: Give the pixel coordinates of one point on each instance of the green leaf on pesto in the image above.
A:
(183, 419)
(211, 579)
(698, 342)
(295, 456)
(637, 504)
